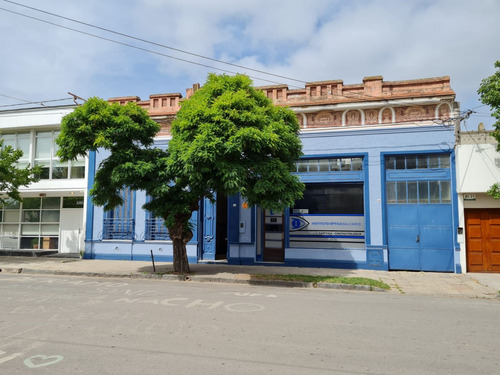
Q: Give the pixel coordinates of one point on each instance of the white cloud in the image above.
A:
(309, 41)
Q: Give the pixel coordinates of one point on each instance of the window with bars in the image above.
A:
(156, 229)
(119, 223)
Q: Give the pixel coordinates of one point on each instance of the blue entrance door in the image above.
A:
(209, 230)
(419, 210)
(420, 237)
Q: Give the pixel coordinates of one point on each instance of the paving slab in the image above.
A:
(471, 285)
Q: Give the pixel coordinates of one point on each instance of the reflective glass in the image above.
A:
(434, 191)
(77, 172)
(10, 230)
(31, 216)
(29, 242)
(444, 161)
(433, 161)
(411, 162)
(313, 165)
(30, 229)
(31, 203)
(302, 166)
(357, 164)
(401, 185)
(412, 192)
(324, 165)
(400, 162)
(335, 165)
(51, 216)
(445, 192)
(12, 204)
(422, 162)
(23, 144)
(43, 146)
(345, 164)
(423, 191)
(390, 162)
(11, 216)
(51, 202)
(9, 242)
(391, 192)
(50, 229)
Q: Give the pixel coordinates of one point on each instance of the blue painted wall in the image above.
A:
(371, 144)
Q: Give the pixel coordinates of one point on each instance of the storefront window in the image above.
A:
(329, 216)
(34, 224)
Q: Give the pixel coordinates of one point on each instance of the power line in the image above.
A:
(41, 102)
(360, 97)
(154, 43)
(12, 97)
(132, 46)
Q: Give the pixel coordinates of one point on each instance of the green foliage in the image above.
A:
(230, 138)
(325, 279)
(227, 138)
(125, 131)
(11, 177)
(494, 191)
(489, 93)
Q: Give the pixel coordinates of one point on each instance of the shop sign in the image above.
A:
(309, 230)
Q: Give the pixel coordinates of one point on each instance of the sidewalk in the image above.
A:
(471, 285)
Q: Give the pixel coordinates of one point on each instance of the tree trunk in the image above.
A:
(180, 236)
(181, 264)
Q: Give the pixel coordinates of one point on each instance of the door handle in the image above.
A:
(418, 238)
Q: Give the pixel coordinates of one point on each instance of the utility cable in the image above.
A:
(132, 46)
(361, 97)
(154, 43)
(41, 102)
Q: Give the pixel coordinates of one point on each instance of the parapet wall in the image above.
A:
(333, 104)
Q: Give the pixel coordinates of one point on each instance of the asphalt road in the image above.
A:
(72, 325)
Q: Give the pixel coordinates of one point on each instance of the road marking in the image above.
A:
(42, 360)
(20, 333)
(248, 294)
(8, 358)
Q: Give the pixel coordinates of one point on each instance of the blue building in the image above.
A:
(378, 166)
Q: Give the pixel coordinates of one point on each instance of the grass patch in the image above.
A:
(325, 279)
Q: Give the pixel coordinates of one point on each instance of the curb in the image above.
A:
(201, 279)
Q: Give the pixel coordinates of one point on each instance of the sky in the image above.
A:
(296, 40)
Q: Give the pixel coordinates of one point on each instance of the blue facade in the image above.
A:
(379, 170)
(382, 248)
(380, 236)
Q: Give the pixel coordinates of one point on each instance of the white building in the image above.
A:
(478, 167)
(52, 215)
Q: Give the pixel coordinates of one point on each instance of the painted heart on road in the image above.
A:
(42, 360)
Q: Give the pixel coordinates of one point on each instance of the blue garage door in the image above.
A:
(419, 213)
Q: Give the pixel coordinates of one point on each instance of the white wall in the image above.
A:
(478, 167)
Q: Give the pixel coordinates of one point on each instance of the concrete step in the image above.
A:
(26, 253)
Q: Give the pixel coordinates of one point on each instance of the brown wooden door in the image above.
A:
(483, 240)
(274, 235)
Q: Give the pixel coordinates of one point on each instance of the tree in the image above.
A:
(489, 93)
(228, 138)
(12, 177)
